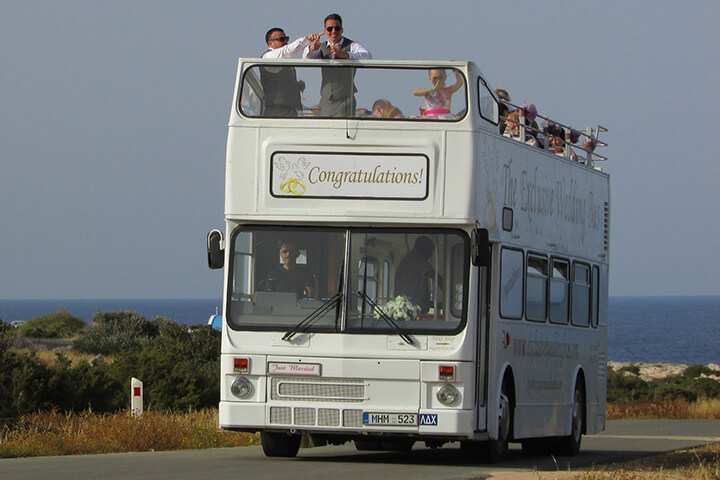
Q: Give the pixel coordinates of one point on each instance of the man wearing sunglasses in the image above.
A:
(289, 277)
(282, 91)
(337, 94)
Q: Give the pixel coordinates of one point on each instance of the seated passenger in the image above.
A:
(558, 146)
(378, 108)
(392, 112)
(438, 98)
(503, 109)
(512, 129)
(289, 277)
(414, 274)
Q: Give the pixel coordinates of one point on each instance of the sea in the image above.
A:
(679, 330)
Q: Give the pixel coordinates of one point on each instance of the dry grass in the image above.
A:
(48, 356)
(43, 434)
(700, 410)
(702, 463)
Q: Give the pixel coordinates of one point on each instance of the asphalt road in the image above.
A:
(622, 439)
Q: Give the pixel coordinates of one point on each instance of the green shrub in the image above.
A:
(36, 386)
(694, 371)
(625, 388)
(706, 388)
(180, 369)
(115, 332)
(60, 324)
(672, 392)
(632, 368)
(8, 362)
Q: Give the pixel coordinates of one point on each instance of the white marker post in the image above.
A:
(136, 397)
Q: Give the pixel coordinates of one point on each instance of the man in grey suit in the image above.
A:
(337, 94)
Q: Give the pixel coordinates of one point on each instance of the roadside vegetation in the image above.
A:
(54, 433)
(702, 463)
(75, 399)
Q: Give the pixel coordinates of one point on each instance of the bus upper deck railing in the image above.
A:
(520, 123)
(400, 92)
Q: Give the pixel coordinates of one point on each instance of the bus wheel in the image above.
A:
(496, 448)
(493, 451)
(570, 445)
(280, 444)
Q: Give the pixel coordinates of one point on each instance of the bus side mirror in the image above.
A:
(215, 249)
(480, 247)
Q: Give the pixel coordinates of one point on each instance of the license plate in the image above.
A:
(401, 419)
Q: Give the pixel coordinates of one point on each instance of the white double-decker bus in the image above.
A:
(416, 278)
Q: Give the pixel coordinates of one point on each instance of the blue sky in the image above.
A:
(113, 121)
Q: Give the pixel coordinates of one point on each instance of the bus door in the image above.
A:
(482, 319)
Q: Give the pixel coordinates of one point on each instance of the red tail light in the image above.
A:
(447, 372)
(241, 365)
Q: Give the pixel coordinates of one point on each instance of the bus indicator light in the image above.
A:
(242, 365)
(447, 372)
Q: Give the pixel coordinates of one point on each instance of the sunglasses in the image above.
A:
(282, 39)
(333, 27)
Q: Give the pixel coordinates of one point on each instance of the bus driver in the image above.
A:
(290, 277)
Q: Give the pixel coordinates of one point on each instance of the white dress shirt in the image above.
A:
(357, 51)
(289, 50)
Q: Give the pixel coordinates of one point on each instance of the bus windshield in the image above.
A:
(341, 91)
(348, 280)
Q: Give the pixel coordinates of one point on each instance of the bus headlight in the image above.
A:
(241, 387)
(448, 394)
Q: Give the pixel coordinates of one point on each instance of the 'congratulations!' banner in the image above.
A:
(349, 176)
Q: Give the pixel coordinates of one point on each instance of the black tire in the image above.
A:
(570, 445)
(493, 451)
(280, 444)
(497, 448)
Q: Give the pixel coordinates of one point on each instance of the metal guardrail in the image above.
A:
(555, 136)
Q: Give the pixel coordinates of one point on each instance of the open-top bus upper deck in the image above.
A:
(455, 170)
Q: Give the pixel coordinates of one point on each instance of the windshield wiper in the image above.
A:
(314, 316)
(381, 313)
(332, 302)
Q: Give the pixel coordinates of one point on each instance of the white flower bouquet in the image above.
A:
(401, 308)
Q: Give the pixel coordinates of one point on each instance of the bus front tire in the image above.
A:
(497, 448)
(280, 444)
(494, 450)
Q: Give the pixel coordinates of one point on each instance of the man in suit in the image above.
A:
(337, 94)
(282, 90)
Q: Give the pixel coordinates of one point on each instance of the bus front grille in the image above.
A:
(310, 417)
(317, 389)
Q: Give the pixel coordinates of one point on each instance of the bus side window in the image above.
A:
(511, 284)
(594, 313)
(580, 295)
(488, 105)
(559, 290)
(536, 294)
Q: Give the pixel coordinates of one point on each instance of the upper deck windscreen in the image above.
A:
(361, 92)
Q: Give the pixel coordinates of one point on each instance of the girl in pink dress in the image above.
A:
(438, 97)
